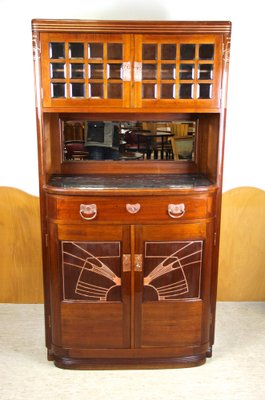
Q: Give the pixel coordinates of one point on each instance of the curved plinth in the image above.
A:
(129, 363)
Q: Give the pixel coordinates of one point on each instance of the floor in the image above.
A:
(235, 372)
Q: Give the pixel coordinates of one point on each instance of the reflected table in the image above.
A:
(152, 145)
(130, 156)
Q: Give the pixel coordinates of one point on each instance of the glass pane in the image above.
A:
(57, 90)
(77, 71)
(57, 50)
(186, 71)
(114, 71)
(187, 51)
(76, 50)
(149, 71)
(149, 52)
(95, 71)
(168, 71)
(206, 51)
(57, 70)
(205, 91)
(168, 91)
(119, 140)
(95, 50)
(115, 91)
(95, 90)
(149, 91)
(168, 52)
(77, 90)
(114, 51)
(205, 71)
(186, 90)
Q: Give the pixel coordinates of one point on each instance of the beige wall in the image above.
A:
(242, 247)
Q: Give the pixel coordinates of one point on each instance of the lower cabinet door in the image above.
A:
(131, 287)
(90, 286)
(172, 268)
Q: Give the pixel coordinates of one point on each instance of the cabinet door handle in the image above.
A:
(137, 71)
(88, 211)
(176, 210)
(126, 71)
(138, 262)
(133, 208)
(126, 262)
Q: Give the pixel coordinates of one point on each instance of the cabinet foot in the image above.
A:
(50, 355)
(209, 352)
(129, 363)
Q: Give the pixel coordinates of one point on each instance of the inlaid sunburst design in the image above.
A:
(90, 270)
(172, 270)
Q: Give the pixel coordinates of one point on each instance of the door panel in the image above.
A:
(172, 270)
(172, 70)
(172, 298)
(91, 271)
(93, 297)
(86, 70)
(171, 324)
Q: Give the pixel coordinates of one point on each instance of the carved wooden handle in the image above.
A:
(133, 208)
(176, 210)
(88, 211)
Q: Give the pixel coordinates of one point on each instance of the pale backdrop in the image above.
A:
(244, 152)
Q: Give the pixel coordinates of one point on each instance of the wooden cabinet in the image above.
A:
(130, 228)
(121, 280)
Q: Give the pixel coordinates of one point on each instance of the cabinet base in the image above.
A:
(129, 363)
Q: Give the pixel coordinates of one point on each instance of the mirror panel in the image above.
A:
(129, 140)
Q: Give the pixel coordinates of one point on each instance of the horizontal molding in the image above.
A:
(178, 27)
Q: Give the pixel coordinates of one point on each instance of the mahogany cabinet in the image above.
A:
(131, 122)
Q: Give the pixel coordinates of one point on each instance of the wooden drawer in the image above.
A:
(130, 209)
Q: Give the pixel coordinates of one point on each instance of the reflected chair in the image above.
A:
(75, 150)
(135, 143)
(182, 147)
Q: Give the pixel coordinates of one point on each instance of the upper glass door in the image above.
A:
(91, 69)
(177, 70)
(131, 71)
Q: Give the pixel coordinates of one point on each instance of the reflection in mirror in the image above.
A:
(57, 50)
(77, 71)
(129, 140)
(76, 50)
(95, 51)
(57, 70)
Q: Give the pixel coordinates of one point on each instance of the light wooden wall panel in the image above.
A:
(20, 249)
(242, 247)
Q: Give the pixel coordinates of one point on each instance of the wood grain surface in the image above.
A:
(242, 248)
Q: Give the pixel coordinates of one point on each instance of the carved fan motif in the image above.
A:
(172, 270)
(91, 271)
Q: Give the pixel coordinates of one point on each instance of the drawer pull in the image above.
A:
(176, 210)
(133, 208)
(88, 211)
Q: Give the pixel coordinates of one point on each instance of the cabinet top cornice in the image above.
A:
(179, 27)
